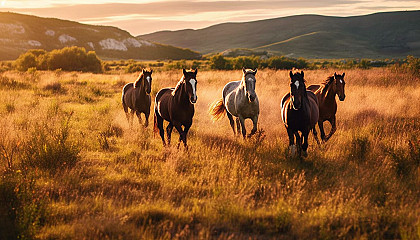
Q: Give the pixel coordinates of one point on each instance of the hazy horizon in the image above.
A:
(142, 17)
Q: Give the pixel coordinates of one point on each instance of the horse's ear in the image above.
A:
(255, 71)
(301, 73)
(344, 74)
(196, 70)
(243, 70)
(143, 70)
(335, 75)
(291, 74)
(151, 71)
(184, 71)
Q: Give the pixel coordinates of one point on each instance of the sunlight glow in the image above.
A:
(155, 15)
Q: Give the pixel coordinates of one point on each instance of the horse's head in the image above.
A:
(297, 89)
(147, 76)
(340, 83)
(190, 78)
(249, 82)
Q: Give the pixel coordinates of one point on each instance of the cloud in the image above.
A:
(175, 8)
(139, 18)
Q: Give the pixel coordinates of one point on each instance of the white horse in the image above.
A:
(239, 100)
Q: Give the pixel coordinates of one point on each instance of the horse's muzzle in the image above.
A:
(251, 98)
(342, 97)
(193, 100)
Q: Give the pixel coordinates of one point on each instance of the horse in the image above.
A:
(299, 112)
(176, 105)
(136, 96)
(325, 92)
(239, 99)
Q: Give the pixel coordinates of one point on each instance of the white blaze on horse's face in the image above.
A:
(193, 83)
(297, 84)
(148, 79)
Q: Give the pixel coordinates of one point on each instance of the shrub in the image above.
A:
(26, 61)
(218, 62)
(49, 148)
(21, 211)
(68, 59)
(413, 64)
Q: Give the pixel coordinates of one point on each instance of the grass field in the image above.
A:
(72, 168)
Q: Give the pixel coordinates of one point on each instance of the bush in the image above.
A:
(48, 147)
(68, 59)
(26, 61)
(21, 211)
(413, 64)
(218, 62)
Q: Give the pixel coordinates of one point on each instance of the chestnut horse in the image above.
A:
(299, 112)
(176, 105)
(136, 96)
(325, 92)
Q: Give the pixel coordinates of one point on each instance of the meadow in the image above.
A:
(73, 168)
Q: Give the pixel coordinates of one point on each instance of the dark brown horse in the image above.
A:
(136, 96)
(325, 92)
(299, 112)
(176, 105)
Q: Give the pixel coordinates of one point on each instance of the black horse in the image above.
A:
(136, 96)
(176, 105)
(299, 112)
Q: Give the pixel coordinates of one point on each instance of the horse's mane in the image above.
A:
(328, 81)
(138, 81)
(178, 85)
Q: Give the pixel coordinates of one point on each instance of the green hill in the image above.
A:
(380, 35)
(19, 32)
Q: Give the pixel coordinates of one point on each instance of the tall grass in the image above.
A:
(95, 177)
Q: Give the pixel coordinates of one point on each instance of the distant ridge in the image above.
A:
(379, 35)
(19, 32)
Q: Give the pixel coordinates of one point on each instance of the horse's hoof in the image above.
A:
(292, 150)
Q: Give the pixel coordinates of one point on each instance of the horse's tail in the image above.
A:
(155, 124)
(217, 109)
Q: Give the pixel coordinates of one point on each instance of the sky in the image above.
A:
(145, 16)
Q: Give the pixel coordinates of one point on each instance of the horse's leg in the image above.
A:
(139, 116)
(126, 112)
(131, 117)
(305, 143)
(232, 123)
(321, 129)
(238, 126)
(169, 132)
(159, 121)
(298, 142)
(186, 129)
(254, 128)
(292, 147)
(146, 121)
(333, 128)
(316, 135)
(242, 121)
(178, 127)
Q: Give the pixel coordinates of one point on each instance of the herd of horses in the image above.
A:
(301, 108)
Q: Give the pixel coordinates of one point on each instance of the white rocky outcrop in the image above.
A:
(113, 44)
(63, 38)
(131, 42)
(34, 43)
(12, 28)
(50, 33)
(91, 45)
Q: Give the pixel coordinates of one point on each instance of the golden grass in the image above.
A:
(363, 183)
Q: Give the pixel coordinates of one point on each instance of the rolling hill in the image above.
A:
(379, 35)
(19, 32)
